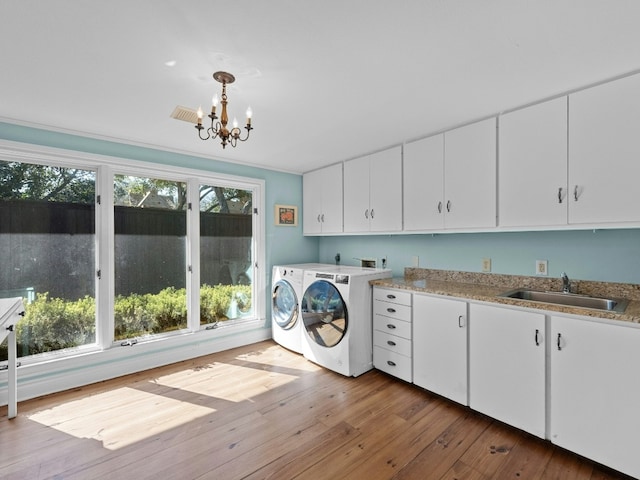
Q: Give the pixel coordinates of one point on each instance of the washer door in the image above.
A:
(284, 305)
(324, 314)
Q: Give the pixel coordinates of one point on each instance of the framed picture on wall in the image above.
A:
(286, 215)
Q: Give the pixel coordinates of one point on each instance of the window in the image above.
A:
(47, 246)
(226, 256)
(150, 225)
(170, 268)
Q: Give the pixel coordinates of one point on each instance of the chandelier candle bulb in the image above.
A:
(199, 115)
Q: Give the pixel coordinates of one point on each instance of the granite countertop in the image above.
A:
(486, 287)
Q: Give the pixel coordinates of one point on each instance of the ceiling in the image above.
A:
(327, 80)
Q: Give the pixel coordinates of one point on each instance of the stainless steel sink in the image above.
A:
(570, 299)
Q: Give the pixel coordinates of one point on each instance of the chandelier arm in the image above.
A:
(200, 129)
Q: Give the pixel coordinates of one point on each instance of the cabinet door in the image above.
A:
(322, 200)
(312, 202)
(423, 179)
(440, 346)
(604, 148)
(507, 366)
(331, 186)
(356, 195)
(470, 176)
(595, 392)
(385, 190)
(532, 171)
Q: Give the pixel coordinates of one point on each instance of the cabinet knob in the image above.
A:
(560, 195)
(537, 337)
(558, 341)
(372, 213)
(318, 218)
(391, 296)
(366, 213)
(391, 310)
(390, 363)
(439, 207)
(448, 206)
(391, 343)
(322, 218)
(391, 326)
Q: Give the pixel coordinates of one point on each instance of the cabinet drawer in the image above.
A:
(392, 310)
(392, 342)
(393, 296)
(393, 363)
(393, 326)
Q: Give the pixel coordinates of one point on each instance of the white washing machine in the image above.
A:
(286, 294)
(336, 311)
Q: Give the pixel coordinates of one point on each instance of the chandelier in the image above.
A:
(219, 129)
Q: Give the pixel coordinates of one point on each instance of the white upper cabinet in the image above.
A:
(322, 200)
(373, 192)
(532, 171)
(450, 179)
(423, 180)
(604, 153)
(470, 176)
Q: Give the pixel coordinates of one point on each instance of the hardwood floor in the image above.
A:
(263, 412)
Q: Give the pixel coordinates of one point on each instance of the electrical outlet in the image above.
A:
(542, 267)
(415, 261)
(486, 265)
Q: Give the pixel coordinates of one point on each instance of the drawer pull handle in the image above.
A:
(558, 343)
(390, 363)
(391, 326)
(391, 296)
(461, 321)
(537, 337)
(391, 310)
(391, 342)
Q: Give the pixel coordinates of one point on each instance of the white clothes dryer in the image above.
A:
(336, 310)
(286, 293)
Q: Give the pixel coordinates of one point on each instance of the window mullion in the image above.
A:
(104, 257)
(193, 255)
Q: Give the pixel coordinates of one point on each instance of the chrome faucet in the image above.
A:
(566, 285)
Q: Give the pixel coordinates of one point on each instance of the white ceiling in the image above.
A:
(328, 80)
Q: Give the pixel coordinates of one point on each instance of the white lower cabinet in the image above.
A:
(440, 346)
(507, 366)
(392, 332)
(595, 391)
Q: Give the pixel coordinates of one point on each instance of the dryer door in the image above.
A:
(324, 314)
(284, 305)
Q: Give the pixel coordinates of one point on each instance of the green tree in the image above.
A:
(24, 181)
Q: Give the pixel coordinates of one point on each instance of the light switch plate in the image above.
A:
(486, 265)
(542, 267)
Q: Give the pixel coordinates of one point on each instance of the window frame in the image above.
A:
(105, 168)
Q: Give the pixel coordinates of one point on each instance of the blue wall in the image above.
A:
(601, 255)
(283, 244)
(604, 255)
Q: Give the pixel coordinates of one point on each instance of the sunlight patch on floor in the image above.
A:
(229, 382)
(120, 417)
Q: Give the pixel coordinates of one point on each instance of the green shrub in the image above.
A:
(52, 324)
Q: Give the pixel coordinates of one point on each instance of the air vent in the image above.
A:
(185, 114)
